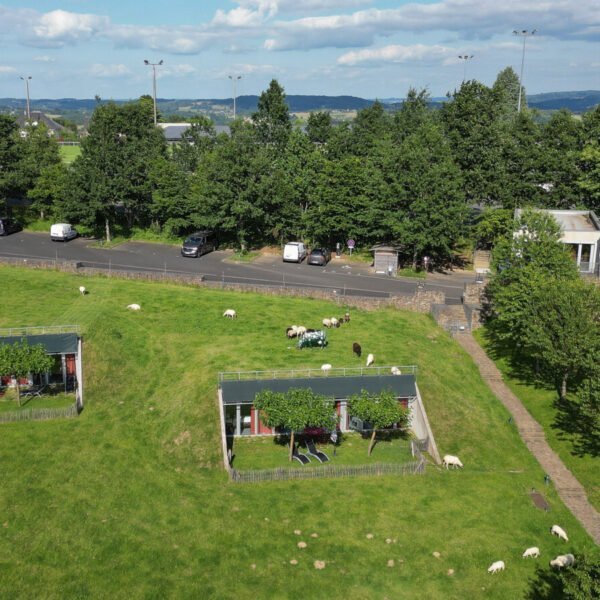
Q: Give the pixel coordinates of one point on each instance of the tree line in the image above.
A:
(408, 178)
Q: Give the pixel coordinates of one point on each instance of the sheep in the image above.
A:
(533, 551)
(301, 330)
(347, 318)
(134, 307)
(453, 461)
(370, 360)
(327, 323)
(230, 313)
(496, 566)
(560, 532)
(334, 322)
(563, 560)
(356, 349)
(395, 371)
(326, 368)
(82, 290)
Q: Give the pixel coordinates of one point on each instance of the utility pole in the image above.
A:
(26, 80)
(153, 65)
(465, 58)
(524, 33)
(234, 79)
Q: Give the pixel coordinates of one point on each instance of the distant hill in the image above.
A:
(79, 110)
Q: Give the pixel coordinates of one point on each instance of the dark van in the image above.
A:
(9, 225)
(198, 243)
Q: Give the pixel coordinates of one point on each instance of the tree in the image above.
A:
(588, 409)
(49, 189)
(9, 156)
(380, 410)
(493, 224)
(589, 175)
(319, 127)
(295, 410)
(412, 114)
(19, 360)
(196, 141)
(272, 118)
(370, 126)
(506, 87)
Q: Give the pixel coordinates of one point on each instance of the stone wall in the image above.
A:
(473, 293)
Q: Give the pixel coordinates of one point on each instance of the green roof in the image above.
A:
(54, 343)
(244, 392)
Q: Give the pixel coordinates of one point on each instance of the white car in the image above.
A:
(62, 232)
(294, 252)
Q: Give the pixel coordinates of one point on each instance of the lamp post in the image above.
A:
(465, 58)
(524, 33)
(26, 80)
(234, 79)
(153, 65)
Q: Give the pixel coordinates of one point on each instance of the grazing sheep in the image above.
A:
(334, 322)
(347, 318)
(396, 371)
(230, 313)
(563, 560)
(370, 360)
(326, 368)
(301, 330)
(326, 322)
(356, 349)
(453, 461)
(560, 532)
(496, 566)
(291, 332)
(82, 290)
(134, 307)
(533, 551)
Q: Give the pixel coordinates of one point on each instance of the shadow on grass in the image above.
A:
(547, 585)
(570, 419)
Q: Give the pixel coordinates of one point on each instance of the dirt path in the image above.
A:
(569, 489)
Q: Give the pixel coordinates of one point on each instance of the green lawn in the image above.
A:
(8, 402)
(69, 153)
(130, 499)
(540, 401)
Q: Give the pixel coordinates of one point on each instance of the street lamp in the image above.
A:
(465, 58)
(524, 33)
(26, 80)
(153, 65)
(234, 79)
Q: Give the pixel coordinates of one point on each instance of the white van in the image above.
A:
(62, 232)
(294, 252)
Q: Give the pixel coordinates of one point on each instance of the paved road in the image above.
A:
(347, 278)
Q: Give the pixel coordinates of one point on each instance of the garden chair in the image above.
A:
(301, 458)
(312, 451)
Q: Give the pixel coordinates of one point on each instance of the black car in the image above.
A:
(9, 225)
(319, 256)
(198, 243)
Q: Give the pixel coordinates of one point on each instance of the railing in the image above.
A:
(329, 471)
(308, 373)
(42, 330)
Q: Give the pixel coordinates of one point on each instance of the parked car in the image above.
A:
(294, 252)
(319, 256)
(198, 243)
(62, 232)
(9, 225)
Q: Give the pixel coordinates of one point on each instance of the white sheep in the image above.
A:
(134, 307)
(563, 560)
(301, 330)
(82, 290)
(396, 371)
(334, 322)
(326, 368)
(327, 323)
(533, 551)
(453, 461)
(560, 532)
(496, 566)
(230, 313)
(370, 360)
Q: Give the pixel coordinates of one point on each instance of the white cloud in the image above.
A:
(45, 58)
(59, 27)
(397, 54)
(180, 70)
(103, 71)
(5, 70)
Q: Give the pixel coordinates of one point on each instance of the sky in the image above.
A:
(366, 48)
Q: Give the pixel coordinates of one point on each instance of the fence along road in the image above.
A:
(147, 257)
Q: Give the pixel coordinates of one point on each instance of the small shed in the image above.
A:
(385, 259)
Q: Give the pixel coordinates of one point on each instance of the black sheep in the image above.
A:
(356, 349)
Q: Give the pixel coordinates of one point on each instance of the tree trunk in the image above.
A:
(415, 256)
(563, 386)
(291, 446)
(372, 442)
(18, 390)
(107, 228)
(42, 214)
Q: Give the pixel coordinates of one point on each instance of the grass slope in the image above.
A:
(130, 501)
(540, 401)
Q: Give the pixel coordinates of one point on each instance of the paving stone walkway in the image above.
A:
(569, 489)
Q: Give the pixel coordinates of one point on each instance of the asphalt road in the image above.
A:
(344, 277)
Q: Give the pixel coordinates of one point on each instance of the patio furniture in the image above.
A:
(301, 458)
(312, 451)
(33, 391)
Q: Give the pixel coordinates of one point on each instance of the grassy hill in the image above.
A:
(130, 500)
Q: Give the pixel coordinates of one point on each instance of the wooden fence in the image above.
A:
(40, 414)
(328, 471)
